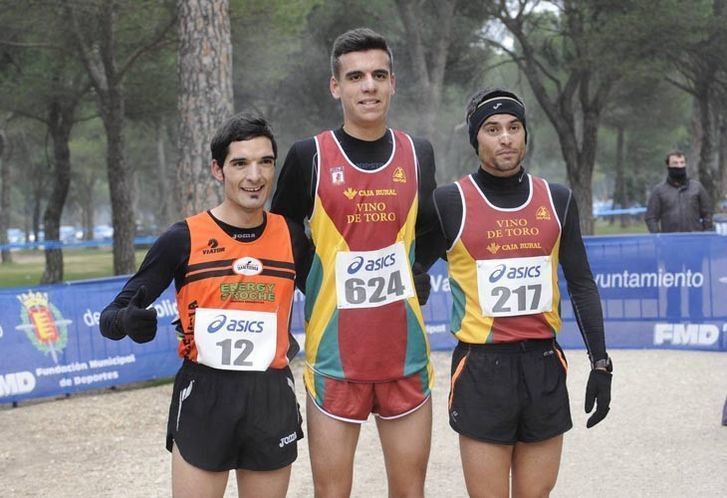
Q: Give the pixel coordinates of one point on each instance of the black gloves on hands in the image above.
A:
(137, 322)
(422, 284)
(598, 390)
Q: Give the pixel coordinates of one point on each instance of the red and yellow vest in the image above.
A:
(359, 210)
(210, 281)
(498, 234)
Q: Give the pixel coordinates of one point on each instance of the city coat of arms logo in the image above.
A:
(43, 323)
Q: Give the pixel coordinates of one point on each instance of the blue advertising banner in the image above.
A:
(50, 342)
(657, 291)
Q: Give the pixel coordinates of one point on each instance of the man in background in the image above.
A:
(680, 204)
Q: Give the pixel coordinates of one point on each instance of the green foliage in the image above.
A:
(80, 264)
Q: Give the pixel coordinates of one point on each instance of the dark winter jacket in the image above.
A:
(679, 207)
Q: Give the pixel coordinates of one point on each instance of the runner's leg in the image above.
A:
(332, 445)
(269, 483)
(486, 467)
(535, 467)
(406, 442)
(189, 481)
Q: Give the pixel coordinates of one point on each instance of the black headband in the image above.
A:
(495, 105)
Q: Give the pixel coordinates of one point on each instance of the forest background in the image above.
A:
(106, 107)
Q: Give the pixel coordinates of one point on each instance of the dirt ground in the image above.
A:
(662, 438)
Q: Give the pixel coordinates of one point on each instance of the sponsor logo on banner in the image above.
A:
(43, 323)
(16, 383)
(639, 280)
(686, 334)
(247, 266)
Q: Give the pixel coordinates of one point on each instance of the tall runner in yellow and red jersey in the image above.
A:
(366, 190)
(234, 269)
(507, 232)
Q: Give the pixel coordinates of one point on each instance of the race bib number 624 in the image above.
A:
(367, 279)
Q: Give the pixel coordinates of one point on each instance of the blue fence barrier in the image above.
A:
(658, 291)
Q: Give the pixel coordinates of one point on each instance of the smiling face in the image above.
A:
(247, 175)
(364, 85)
(501, 144)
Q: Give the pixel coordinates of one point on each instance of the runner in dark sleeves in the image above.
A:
(507, 232)
(234, 268)
(366, 191)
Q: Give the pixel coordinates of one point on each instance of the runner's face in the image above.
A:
(501, 144)
(248, 173)
(364, 86)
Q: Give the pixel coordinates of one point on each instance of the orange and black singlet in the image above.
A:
(171, 256)
(255, 277)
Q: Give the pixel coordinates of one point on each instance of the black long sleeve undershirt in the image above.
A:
(294, 194)
(513, 191)
(167, 261)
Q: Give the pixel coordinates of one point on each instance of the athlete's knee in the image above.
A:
(534, 488)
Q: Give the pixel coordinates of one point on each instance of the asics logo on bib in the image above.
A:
(514, 272)
(371, 264)
(220, 321)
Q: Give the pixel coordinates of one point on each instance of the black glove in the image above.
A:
(137, 322)
(598, 389)
(422, 284)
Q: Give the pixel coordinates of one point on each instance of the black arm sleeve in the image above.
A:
(581, 285)
(302, 253)
(293, 196)
(429, 242)
(448, 205)
(166, 261)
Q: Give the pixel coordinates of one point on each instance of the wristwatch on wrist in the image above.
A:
(604, 364)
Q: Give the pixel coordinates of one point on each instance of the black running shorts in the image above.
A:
(505, 393)
(223, 420)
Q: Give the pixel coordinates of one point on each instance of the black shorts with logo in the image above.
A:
(505, 393)
(223, 420)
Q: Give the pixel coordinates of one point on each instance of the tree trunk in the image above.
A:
(707, 165)
(428, 71)
(5, 254)
(205, 96)
(166, 213)
(60, 123)
(619, 187)
(120, 184)
(722, 163)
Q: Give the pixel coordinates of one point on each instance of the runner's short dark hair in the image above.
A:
(242, 126)
(358, 40)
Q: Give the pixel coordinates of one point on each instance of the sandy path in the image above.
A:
(662, 438)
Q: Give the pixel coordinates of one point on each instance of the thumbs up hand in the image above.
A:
(138, 322)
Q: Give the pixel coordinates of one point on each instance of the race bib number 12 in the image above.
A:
(235, 339)
(367, 279)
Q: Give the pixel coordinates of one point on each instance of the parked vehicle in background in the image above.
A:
(16, 236)
(102, 232)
